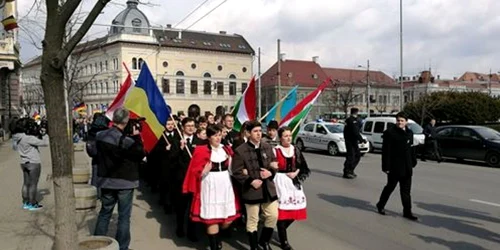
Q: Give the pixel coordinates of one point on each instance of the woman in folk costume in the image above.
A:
(292, 171)
(214, 201)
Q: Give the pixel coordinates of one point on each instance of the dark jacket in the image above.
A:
(398, 155)
(351, 130)
(247, 157)
(162, 158)
(118, 155)
(270, 141)
(184, 159)
(231, 136)
(430, 132)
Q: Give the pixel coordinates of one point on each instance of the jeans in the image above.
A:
(31, 175)
(109, 198)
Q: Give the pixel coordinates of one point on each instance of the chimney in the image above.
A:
(169, 26)
(315, 59)
(438, 77)
(222, 32)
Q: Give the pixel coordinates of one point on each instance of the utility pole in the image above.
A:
(260, 87)
(489, 84)
(279, 71)
(10, 95)
(401, 99)
(368, 89)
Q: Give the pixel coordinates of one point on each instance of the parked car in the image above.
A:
(373, 128)
(325, 136)
(476, 143)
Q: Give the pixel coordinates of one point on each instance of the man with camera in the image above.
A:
(28, 136)
(119, 154)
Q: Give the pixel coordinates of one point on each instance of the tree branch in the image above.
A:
(68, 9)
(52, 7)
(84, 28)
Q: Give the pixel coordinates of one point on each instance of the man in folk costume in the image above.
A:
(254, 167)
(214, 203)
(272, 133)
(164, 155)
(182, 200)
(292, 171)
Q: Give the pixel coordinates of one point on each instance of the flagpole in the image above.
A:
(182, 136)
(298, 124)
(280, 101)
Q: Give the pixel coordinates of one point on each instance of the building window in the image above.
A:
(244, 69)
(134, 63)
(107, 87)
(194, 87)
(244, 86)
(207, 84)
(219, 67)
(139, 66)
(165, 86)
(116, 64)
(136, 23)
(100, 66)
(106, 65)
(193, 65)
(165, 64)
(179, 83)
(220, 88)
(232, 88)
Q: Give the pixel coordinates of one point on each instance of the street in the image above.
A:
(457, 205)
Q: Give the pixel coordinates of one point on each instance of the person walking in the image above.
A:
(118, 157)
(431, 143)
(214, 201)
(292, 172)
(352, 137)
(398, 160)
(254, 166)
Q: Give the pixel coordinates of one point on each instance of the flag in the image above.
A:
(79, 107)
(245, 108)
(120, 97)
(295, 117)
(283, 107)
(36, 116)
(145, 100)
(9, 23)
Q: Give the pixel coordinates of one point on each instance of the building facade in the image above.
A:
(197, 72)
(10, 92)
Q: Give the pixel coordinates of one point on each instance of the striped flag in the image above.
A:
(283, 107)
(120, 97)
(245, 108)
(9, 23)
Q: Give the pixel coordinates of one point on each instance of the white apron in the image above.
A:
(289, 197)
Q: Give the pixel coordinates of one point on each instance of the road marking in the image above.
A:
(485, 202)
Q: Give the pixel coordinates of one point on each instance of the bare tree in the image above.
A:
(54, 58)
(342, 95)
(380, 103)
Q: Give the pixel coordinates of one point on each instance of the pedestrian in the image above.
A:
(352, 137)
(228, 122)
(431, 142)
(272, 133)
(292, 172)
(254, 166)
(31, 164)
(99, 123)
(119, 156)
(214, 202)
(398, 160)
(210, 118)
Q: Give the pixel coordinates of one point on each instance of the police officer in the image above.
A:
(352, 137)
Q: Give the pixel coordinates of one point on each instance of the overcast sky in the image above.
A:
(452, 36)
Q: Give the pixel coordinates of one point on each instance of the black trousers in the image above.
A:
(182, 209)
(404, 189)
(432, 147)
(352, 158)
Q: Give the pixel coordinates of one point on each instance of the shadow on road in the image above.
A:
(344, 201)
(330, 173)
(460, 226)
(455, 245)
(457, 211)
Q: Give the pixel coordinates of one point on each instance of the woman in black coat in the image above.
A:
(398, 160)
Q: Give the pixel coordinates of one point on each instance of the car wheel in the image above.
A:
(333, 149)
(493, 159)
(300, 145)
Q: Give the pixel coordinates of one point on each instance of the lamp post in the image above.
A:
(368, 87)
(401, 99)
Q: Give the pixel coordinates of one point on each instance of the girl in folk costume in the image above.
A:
(292, 171)
(214, 200)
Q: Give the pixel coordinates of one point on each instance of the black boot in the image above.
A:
(265, 238)
(283, 235)
(212, 239)
(253, 240)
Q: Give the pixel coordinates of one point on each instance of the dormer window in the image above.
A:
(136, 22)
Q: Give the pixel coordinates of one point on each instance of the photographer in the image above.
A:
(99, 123)
(26, 141)
(119, 155)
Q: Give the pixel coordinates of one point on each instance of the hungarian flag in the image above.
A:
(301, 110)
(245, 108)
(120, 97)
(9, 23)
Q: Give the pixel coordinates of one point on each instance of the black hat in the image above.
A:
(273, 125)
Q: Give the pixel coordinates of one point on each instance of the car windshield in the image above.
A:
(415, 128)
(337, 128)
(488, 133)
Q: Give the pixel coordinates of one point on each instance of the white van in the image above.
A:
(374, 127)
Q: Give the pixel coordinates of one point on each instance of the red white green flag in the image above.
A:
(245, 108)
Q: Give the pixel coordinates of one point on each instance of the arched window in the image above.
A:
(101, 89)
(134, 63)
(207, 84)
(232, 85)
(179, 83)
(106, 87)
(140, 63)
(91, 89)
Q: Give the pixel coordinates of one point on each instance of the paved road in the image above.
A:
(458, 206)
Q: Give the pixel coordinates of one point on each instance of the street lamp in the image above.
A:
(401, 100)
(367, 87)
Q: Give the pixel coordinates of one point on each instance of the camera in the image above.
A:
(134, 122)
(30, 127)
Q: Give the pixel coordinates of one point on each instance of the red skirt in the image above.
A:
(300, 214)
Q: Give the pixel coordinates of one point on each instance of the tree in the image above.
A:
(381, 104)
(54, 58)
(342, 95)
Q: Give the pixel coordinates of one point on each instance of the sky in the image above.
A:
(448, 36)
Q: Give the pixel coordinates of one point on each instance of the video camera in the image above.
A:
(31, 127)
(135, 122)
